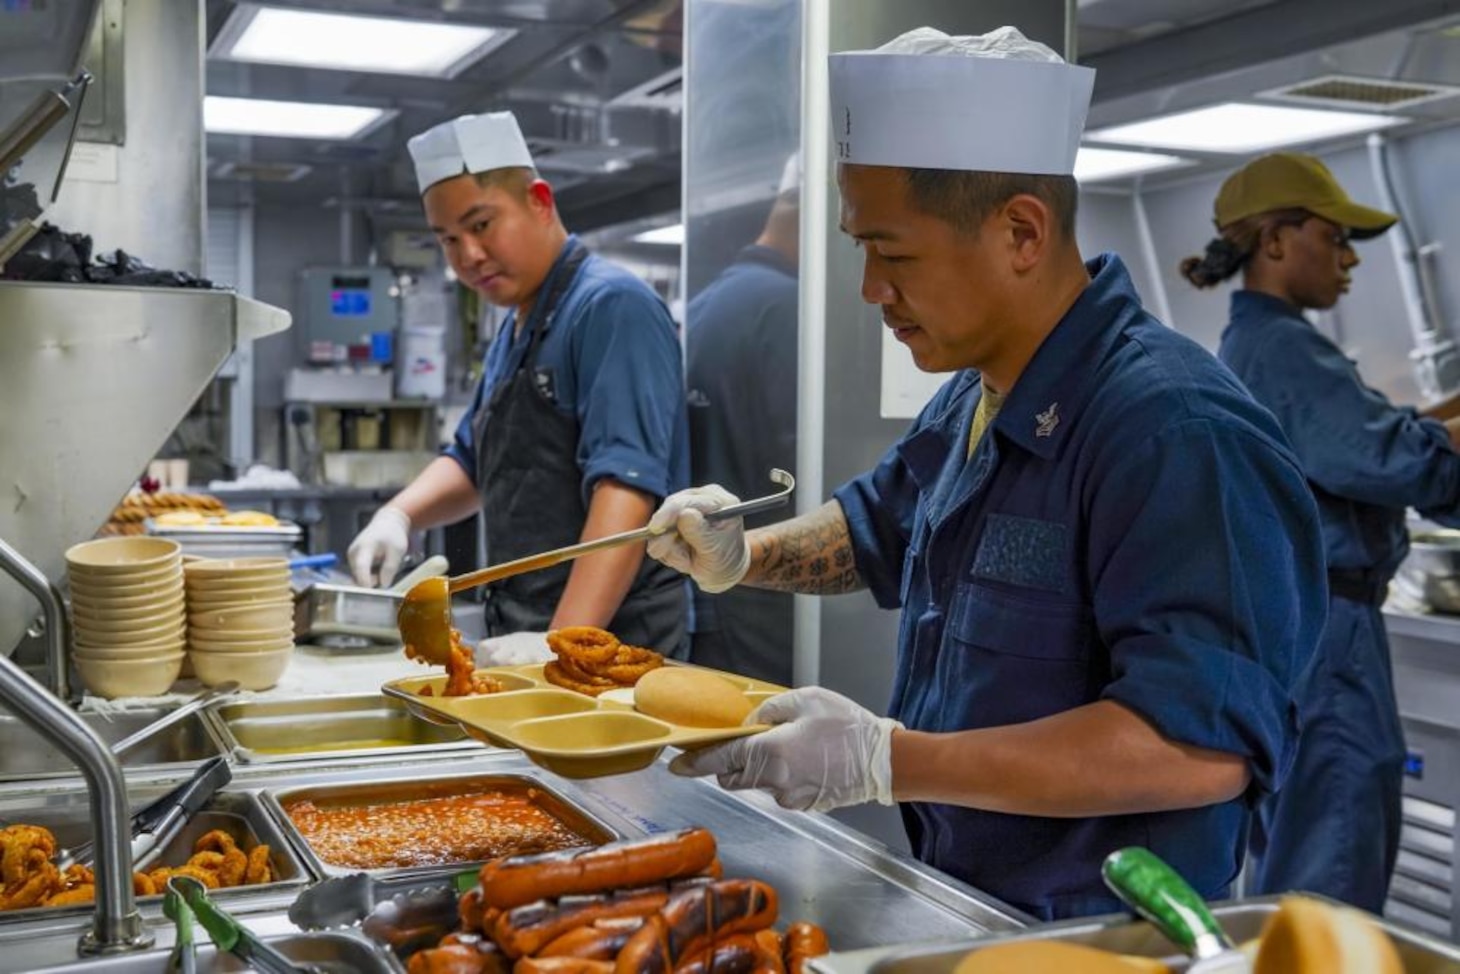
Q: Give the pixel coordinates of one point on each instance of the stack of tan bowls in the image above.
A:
(240, 620)
(127, 614)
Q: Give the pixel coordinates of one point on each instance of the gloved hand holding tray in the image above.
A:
(571, 733)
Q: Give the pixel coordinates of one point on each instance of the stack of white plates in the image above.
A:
(127, 614)
(240, 620)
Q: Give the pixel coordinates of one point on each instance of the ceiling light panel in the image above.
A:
(1094, 165)
(345, 42)
(288, 119)
(1242, 128)
(671, 235)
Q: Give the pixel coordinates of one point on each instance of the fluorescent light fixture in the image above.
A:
(346, 42)
(287, 119)
(670, 235)
(1093, 165)
(1241, 128)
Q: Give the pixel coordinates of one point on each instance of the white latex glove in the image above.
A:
(715, 555)
(513, 649)
(827, 752)
(383, 543)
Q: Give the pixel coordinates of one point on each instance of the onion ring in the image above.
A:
(554, 673)
(630, 663)
(583, 644)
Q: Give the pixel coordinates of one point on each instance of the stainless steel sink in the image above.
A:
(25, 755)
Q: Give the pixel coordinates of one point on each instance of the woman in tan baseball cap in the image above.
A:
(1289, 227)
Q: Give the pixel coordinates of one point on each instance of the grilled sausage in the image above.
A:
(518, 880)
(561, 965)
(773, 949)
(456, 958)
(469, 909)
(601, 940)
(804, 941)
(693, 920)
(527, 929)
(742, 953)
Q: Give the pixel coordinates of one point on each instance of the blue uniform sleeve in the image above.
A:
(1209, 587)
(880, 506)
(463, 448)
(630, 391)
(1350, 439)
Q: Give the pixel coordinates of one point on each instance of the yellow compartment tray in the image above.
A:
(566, 732)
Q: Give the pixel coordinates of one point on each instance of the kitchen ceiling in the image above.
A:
(565, 71)
(595, 85)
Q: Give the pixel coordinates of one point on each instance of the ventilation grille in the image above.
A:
(1353, 92)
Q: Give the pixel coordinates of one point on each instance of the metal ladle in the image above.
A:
(424, 616)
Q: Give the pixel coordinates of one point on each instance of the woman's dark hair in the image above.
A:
(1228, 253)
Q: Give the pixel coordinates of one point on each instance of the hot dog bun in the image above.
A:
(1308, 937)
(691, 697)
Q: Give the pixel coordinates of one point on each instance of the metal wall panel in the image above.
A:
(155, 206)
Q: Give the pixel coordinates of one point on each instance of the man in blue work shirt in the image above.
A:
(741, 356)
(578, 427)
(1287, 225)
(1108, 563)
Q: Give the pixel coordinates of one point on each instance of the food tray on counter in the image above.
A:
(329, 953)
(583, 824)
(228, 541)
(240, 814)
(566, 732)
(326, 728)
(1118, 933)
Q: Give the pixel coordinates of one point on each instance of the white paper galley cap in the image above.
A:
(468, 144)
(996, 102)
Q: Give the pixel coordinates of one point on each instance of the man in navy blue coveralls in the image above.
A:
(578, 425)
(1287, 225)
(1107, 561)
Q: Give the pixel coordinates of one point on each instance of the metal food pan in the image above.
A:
(1243, 920)
(347, 610)
(584, 823)
(231, 542)
(256, 732)
(241, 815)
(335, 953)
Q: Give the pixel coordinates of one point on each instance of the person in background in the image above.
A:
(578, 426)
(741, 351)
(1108, 562)
(1288, 227)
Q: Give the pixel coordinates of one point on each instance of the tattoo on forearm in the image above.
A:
(811, 555)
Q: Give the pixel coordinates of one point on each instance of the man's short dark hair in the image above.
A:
(966, 199)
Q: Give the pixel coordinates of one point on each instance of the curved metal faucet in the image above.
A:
(117, 926)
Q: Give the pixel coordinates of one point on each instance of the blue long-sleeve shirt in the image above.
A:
(1365, 458)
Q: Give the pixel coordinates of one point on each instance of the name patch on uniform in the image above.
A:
(1022, 551)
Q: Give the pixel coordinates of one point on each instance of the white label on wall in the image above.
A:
(906, 388)
(93, 162)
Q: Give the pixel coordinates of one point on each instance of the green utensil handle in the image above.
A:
(224, 930)
(1158, 893)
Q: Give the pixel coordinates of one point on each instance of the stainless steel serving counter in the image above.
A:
(861, 892)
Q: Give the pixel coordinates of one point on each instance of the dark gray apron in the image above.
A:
(531, 490)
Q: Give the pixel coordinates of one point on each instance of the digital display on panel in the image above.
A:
(349, 303)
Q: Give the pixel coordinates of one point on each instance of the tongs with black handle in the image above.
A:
(155, 825)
